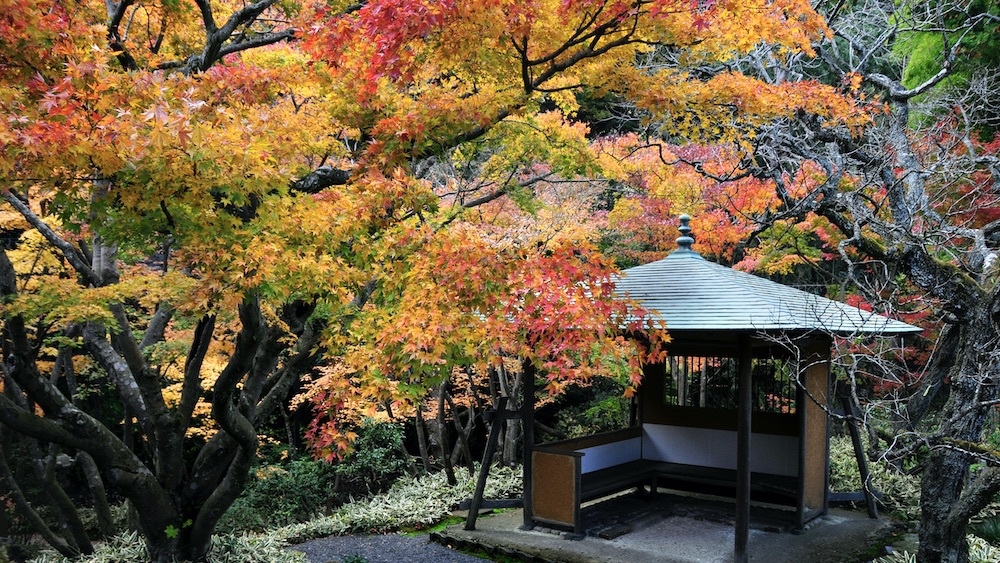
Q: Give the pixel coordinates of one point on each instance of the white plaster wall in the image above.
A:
(603, 456)
(777, 455)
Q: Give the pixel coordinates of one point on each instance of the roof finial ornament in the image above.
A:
(685, 241)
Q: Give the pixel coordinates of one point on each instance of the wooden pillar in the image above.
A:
(528, 431)
(743, 429)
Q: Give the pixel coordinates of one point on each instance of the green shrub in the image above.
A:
(411, 503)
(600, 407)
(980, 551)
(378, 458)
(278, 495)
(119, 519)
(126, 548)
(232, 548)
(252, 548)
(988, 529)
(610, 413)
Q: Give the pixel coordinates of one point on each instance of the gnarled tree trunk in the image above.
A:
(948, 498)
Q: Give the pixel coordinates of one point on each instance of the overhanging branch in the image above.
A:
(320, 179)
(72, 255)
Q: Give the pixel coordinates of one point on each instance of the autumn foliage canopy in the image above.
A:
(381, 191)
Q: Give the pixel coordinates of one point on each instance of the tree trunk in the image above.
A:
(462, 448)
(163, 549)
(442, 430)
(425, 456)
(515, 426)
(58, 499)
(942, 540)
(289, 430)
(97, 493)
(510, 440)
(948, 499)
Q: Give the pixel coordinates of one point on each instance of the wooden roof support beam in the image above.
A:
(528, 438)
(743, 430)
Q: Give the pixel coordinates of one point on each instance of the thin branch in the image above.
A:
(68, 250)
(261, 40)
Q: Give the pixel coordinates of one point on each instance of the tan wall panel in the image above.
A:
(553, 493)
(817, 385)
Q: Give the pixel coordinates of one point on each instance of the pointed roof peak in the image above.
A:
(686, 240)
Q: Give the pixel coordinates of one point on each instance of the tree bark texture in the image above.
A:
(948, 498)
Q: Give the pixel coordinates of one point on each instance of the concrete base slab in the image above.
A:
(658, 532)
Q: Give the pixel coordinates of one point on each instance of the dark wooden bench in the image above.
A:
(560, 485)
(776, 489)
(604, 482)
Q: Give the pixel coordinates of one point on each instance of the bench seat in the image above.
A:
(604, 482)
(570, 472)
(764, 487)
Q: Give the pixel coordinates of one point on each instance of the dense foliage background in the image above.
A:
(239, 236)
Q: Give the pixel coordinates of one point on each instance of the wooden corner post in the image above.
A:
(743, 430)
(528, 430)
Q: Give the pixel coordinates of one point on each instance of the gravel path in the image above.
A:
(390, 548)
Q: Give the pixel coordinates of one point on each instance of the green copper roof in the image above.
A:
(688, 292)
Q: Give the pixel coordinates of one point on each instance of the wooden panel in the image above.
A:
(582, 442)
(815, 422)
(555, 487)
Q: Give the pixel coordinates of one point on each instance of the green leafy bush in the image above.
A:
(378, 458)
(610, 413)
(232, 548)
(119, 518)
(980, 551)
(278, 495)
(988, 529)
(600, 407)
(412, 502)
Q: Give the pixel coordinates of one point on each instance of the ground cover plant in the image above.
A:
(412, 503)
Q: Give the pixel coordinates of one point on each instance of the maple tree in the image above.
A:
(326, 180)
(658, 182)
(519, 284)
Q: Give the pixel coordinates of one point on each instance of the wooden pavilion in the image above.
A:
(738, 409)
